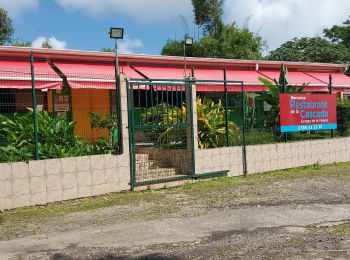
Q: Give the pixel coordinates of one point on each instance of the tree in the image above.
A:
(107, 50)
(334, 47)
(315, 49)
(17, 43)
(6, 28)
(46, 44)
(231, 43)
(208, 15)
(339, 34)
(272, 120)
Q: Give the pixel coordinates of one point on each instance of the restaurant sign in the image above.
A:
(307, 112)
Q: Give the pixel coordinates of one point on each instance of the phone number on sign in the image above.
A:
(309, 127)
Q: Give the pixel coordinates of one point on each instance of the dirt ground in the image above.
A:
(296, 214)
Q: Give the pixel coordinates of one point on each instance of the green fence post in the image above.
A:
(35, 118)
(118, 99)
(244, 133)
(284, 92)
(330, 86)
(192, 130)
(226, 110)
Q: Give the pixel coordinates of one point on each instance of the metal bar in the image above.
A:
(244, 133)
(225, 172)
(192, 131)
(226, 111)
(284, 92)
(162, 106)
(167, 105)
(172, 105)
(192, 71)
(129, 93)
(155, 126)
(177, 105)
(133, 150)
(180, 81)
(330, 92)
(139, 103)
(118, 99)
(157, 107)
(185, 72)
(155, 181)
(146, 93)
(152, 101)
(35, 118)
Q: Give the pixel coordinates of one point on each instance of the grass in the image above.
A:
(190, 189)
(341, 230)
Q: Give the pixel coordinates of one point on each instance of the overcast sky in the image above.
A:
(83, 24)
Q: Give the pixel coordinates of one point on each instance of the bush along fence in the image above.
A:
(68, 142)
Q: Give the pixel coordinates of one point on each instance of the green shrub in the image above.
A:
(156, 120)
(211, 125)
(56, 138)
(260, 136)
(343, 117)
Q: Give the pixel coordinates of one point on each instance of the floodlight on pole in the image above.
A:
(187, 42)
(116, 34)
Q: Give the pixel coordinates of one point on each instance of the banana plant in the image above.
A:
(275, 88)
(211, 126)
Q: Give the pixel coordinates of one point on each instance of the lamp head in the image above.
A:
(116, 33)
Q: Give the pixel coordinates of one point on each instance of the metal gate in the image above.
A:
(160, 131)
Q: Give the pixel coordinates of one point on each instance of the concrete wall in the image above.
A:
(270, 157)
(39, 182)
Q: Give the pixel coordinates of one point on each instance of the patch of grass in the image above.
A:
(263, 178)
(295, 242)
(189, 189)
(341, 230)
(67, 207)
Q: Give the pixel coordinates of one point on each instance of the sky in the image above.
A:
(148, 24)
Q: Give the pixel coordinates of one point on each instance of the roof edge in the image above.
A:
(145, 59)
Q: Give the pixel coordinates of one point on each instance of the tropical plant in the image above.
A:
(158, 118)
(169, 127)
(250, 100)
(343, 117)
(56, 137)
(212, 125)
(272, 119)
(109, 122)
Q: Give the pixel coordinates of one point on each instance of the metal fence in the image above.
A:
(42, 116)
(160, 131)
(42, 119)
(244, 118)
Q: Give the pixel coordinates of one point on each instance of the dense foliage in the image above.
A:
(315, 49)
(343, 117)
(6, 28)
(56, 138)
(272, 118)
(334, 47)
(157, 119)
(208, 15)
(211, 125)
(231, 42)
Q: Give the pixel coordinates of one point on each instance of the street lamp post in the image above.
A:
(187, 42)
(117, 33)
